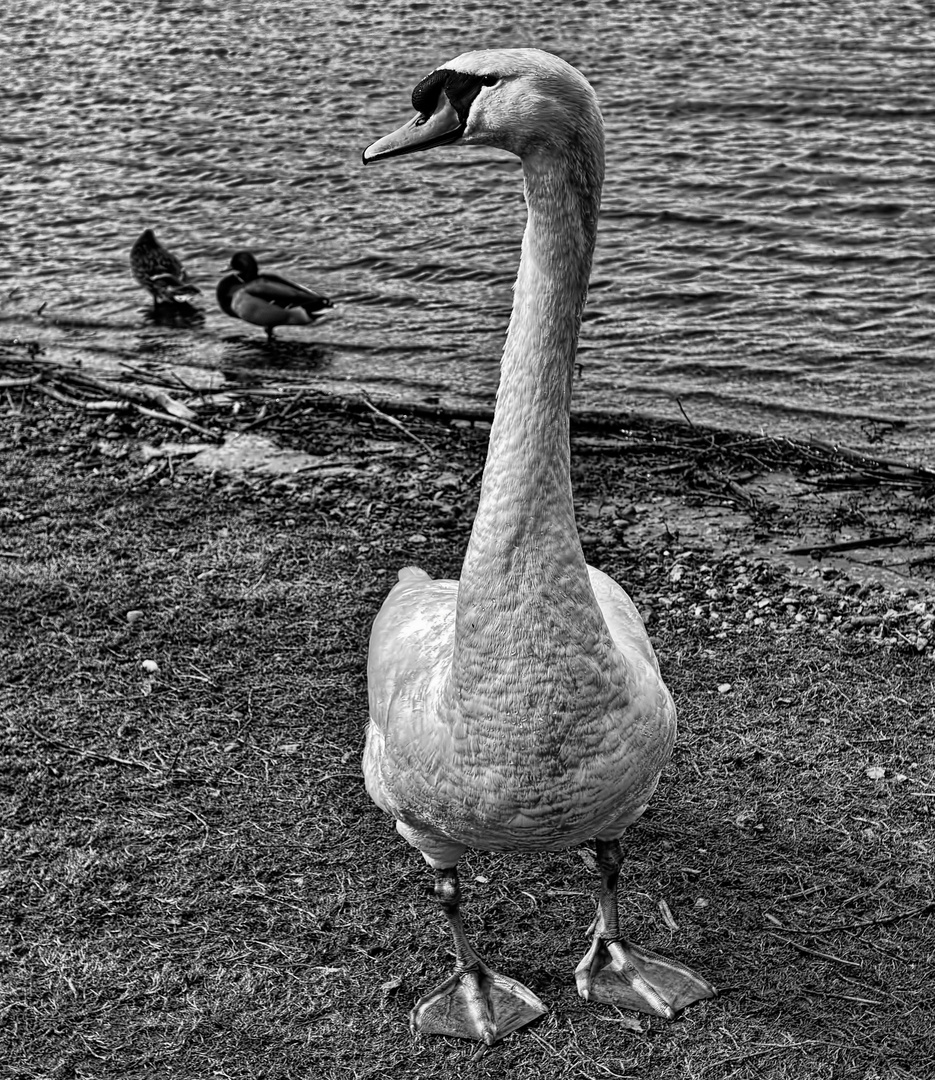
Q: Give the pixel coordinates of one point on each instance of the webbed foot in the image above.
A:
(618, 972)
(476, 1003)
(621, 973)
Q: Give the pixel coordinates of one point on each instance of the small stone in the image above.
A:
(134, 616)
(151, 666)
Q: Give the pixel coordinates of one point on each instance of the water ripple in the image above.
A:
(766, 237)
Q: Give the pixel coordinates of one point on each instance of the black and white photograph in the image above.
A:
(467, 540)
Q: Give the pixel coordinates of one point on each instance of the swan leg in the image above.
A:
(618, 972)
(475, 1002)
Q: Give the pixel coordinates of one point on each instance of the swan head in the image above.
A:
(525, 101)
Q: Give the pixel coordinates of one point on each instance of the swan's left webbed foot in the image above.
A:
(619, 972)
(476, 1002)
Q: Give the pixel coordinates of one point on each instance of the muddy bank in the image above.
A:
(848, 533)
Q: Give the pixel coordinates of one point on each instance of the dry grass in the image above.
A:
(193, 882)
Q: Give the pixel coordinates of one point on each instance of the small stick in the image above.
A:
(841, 997)
(64, 399)
(815, 952)
(20, 382)
(180, 420)
(148, 394)
(392, 420)
(683, 412)
(802, 893)
(884, 920)
(93, 755)
(887, 540)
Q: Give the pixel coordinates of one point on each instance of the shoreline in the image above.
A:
(304, 367)
(819, 510)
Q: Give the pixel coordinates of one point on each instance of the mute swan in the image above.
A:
(158, 271)
(266, 300)
(521, 709)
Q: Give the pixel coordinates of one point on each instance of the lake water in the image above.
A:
(765, 258)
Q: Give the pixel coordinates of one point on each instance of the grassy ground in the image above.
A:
(193, 882)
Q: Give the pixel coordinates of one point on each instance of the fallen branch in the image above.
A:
(136, 393)
(94, 755)
(865, 459)
(815, 952)
(860, 924)
(180, 420)
(884, 920)
(392, 420)
(887, 540)
(31, 380)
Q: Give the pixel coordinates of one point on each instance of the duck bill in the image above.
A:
(421, 133)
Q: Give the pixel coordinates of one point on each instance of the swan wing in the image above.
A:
(622, 617)
(652, 710)
(410, 654)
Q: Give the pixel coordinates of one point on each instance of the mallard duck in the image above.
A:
(158, 271)
(521, 708)
(266, 300)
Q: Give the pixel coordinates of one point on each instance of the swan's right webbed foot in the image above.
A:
(476, 1002)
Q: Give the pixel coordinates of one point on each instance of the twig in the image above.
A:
(802, 893)
(180, 420)
(20, 382)
(684, 413)
(77, 403)
(815, 952)
(884, 920)
(392, 420)
(128, 403)
(135, 393)
(93, 755)
(866, 459)
(886, 540)
(841, 997)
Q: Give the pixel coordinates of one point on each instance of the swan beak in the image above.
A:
(421, 133)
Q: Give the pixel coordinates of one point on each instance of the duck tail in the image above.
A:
(173, 287)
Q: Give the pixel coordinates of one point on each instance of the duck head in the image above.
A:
(244, 265)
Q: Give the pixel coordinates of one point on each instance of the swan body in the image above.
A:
(521, 708)
(158, 271)
(266, 300)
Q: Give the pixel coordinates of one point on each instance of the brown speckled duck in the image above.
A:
(521, 708)
(158, 271)
(266, 300)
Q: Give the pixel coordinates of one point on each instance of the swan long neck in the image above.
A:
(524, 558)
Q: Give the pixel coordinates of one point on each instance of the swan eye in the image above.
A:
(460, 88)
